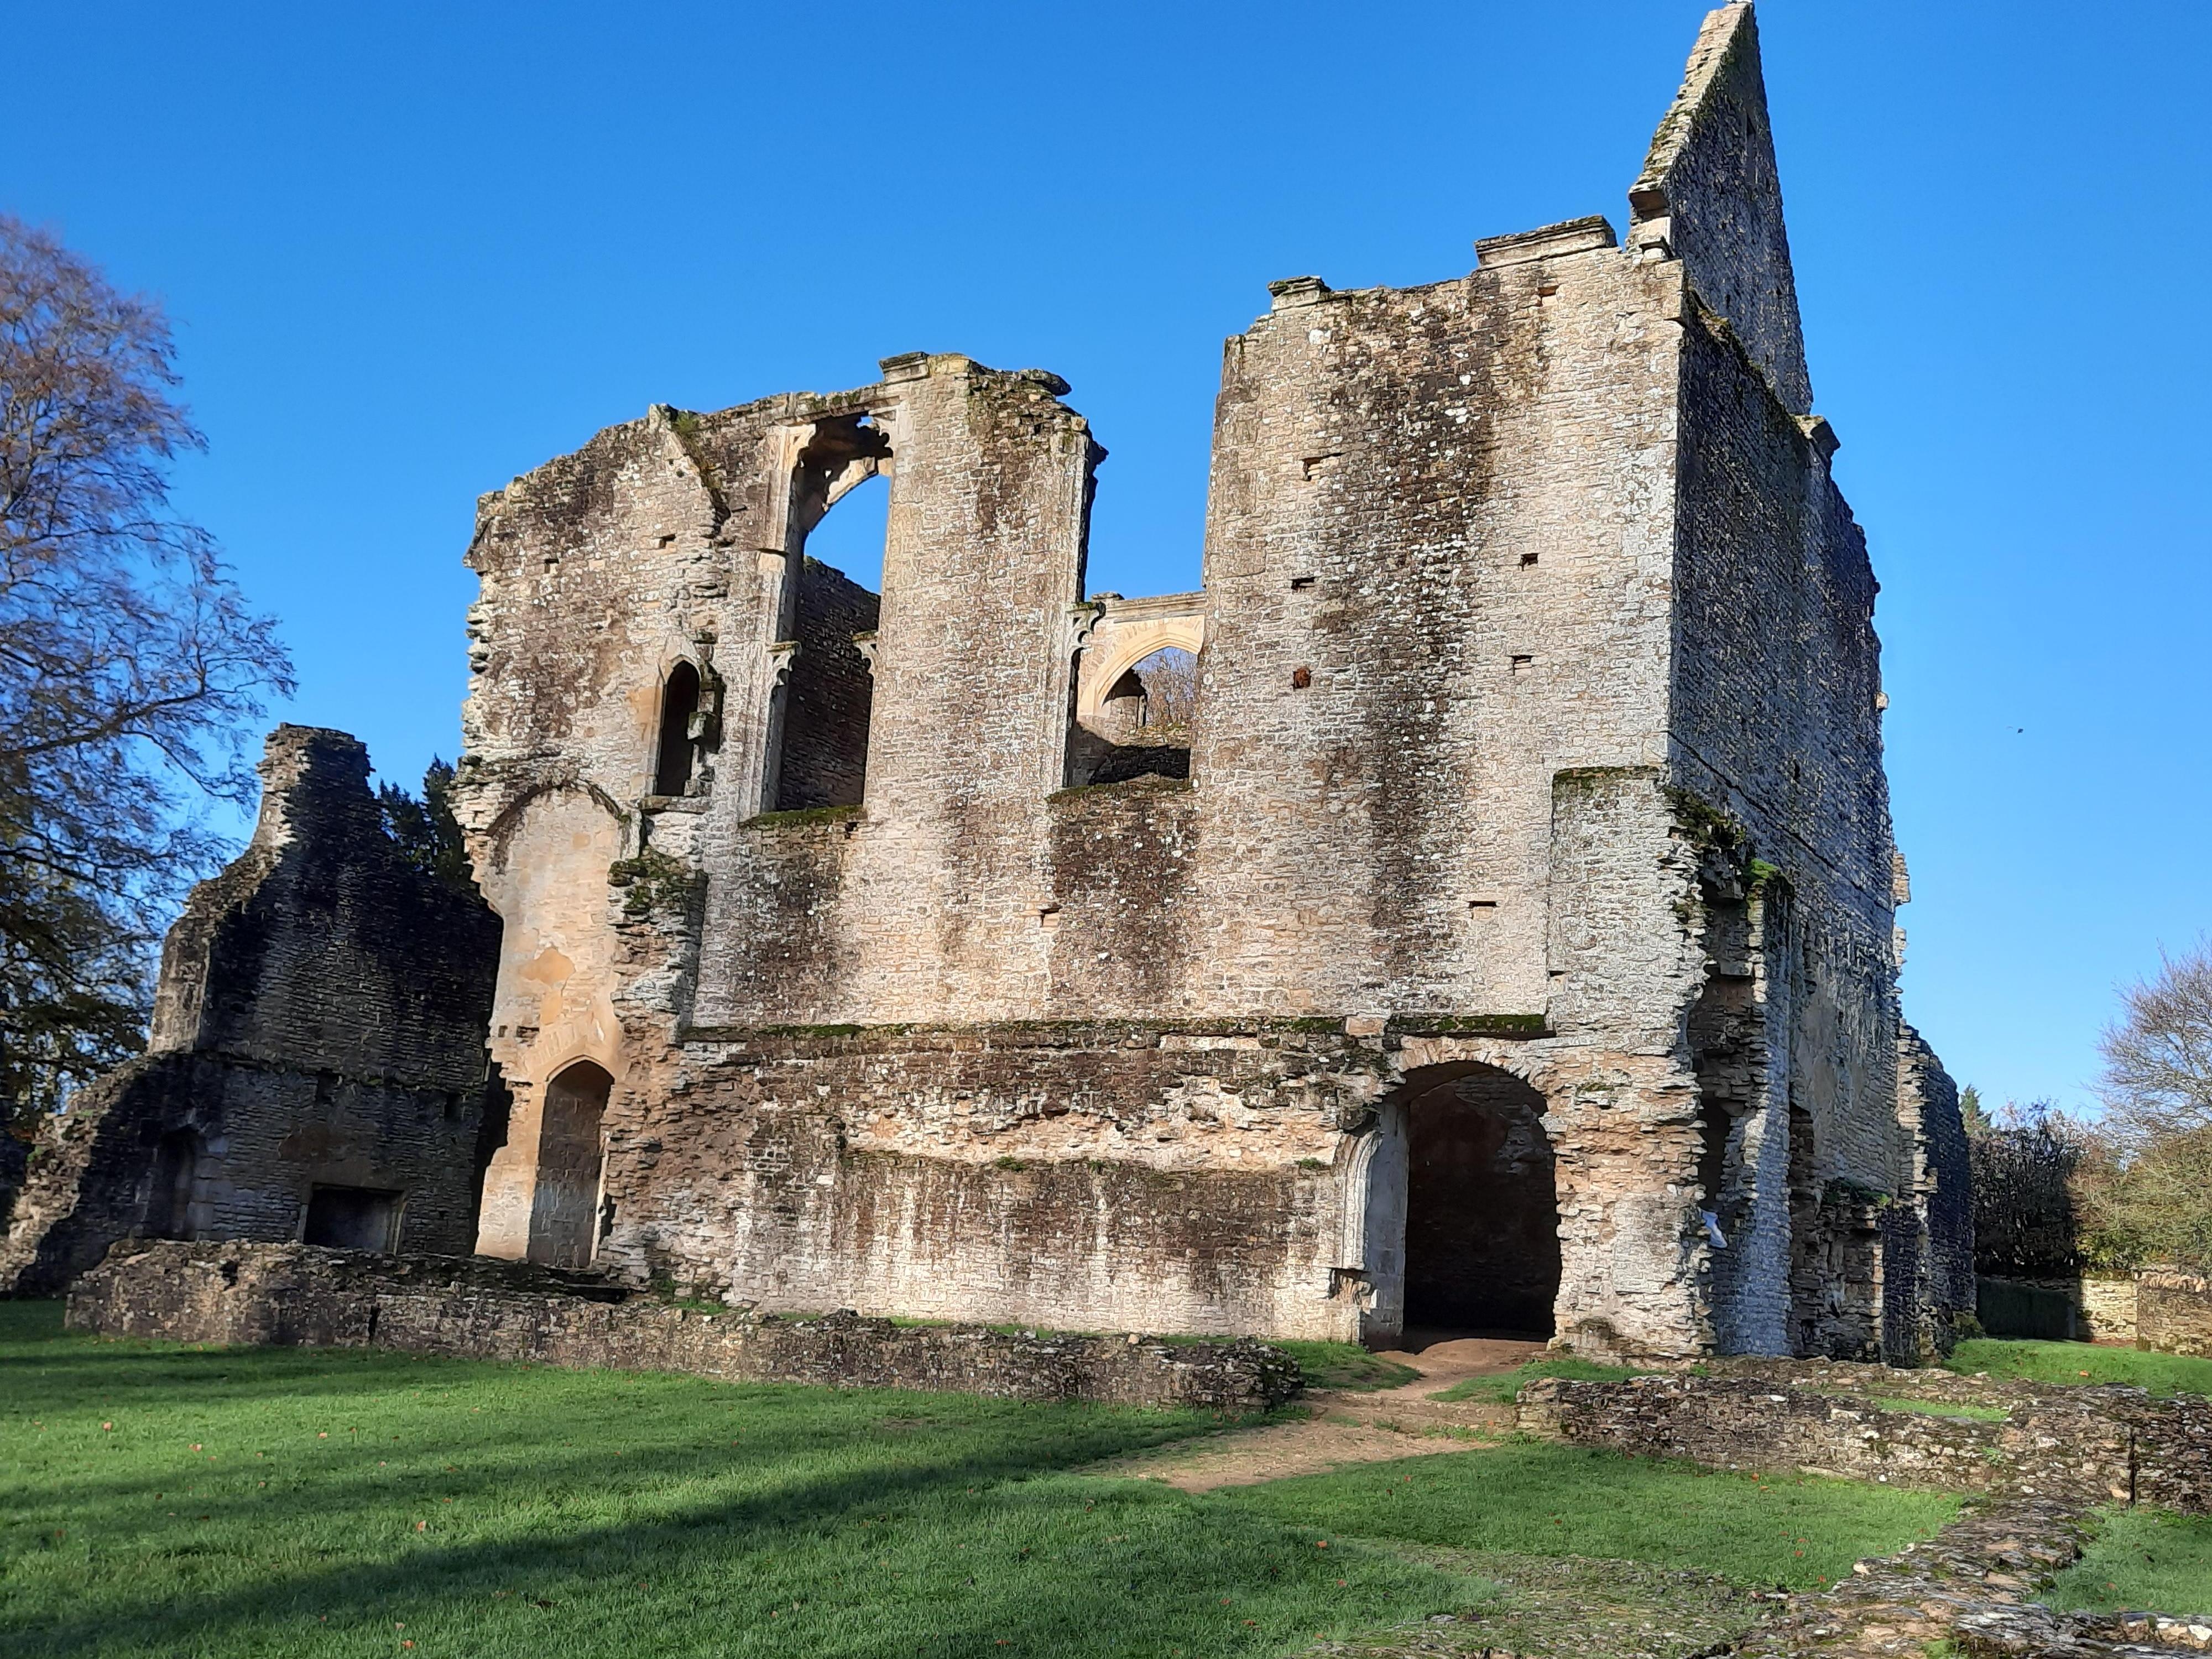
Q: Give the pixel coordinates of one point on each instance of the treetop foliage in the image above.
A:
(132, 670)
(2054, 1195)
(427, 833)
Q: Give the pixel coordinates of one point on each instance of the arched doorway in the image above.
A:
(565, 1202)
(1482, 1221)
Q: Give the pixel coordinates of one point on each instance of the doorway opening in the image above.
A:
(174, 1185)
(352, 1218)
(1482, 1217)
(565, 1204)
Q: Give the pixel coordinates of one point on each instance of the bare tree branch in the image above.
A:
(130, 668)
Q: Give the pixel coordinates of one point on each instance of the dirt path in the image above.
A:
(1346, 1427)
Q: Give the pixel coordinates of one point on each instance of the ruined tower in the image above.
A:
(1504, 940)
(316, 1069)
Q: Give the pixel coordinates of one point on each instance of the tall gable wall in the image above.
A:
(318, 1023)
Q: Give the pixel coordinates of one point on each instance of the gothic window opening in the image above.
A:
(679, 704)
(840, 496)
(1143, 724)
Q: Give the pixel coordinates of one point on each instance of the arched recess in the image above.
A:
(1141, 722)
(173, 1185)
(1128, 644)
(1481, 1205)
(545, 871)
(564, 1206)
(676, 752)
(823, 707)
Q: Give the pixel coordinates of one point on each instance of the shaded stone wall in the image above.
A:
(318, 1023)
(1941, 1193)
(824, 757)
(2174, 1311)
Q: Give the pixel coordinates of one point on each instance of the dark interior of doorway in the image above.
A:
(1482, 1241)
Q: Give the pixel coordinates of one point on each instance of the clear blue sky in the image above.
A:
(411, 251)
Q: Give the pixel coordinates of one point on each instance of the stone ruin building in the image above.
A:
(316, 1066)
(1504, 938)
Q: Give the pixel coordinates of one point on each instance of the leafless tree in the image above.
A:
(1170, 677)
(2158, 1059)
(131, 667)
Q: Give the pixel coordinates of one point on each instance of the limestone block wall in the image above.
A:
(1537, 731)
(318, 1029)
(2173, 1310)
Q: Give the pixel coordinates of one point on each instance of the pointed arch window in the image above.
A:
(679, 702)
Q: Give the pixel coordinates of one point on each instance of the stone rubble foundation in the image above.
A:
(296, 1295)
(2038, 1477)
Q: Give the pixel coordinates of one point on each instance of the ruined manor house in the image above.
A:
(1496, 931)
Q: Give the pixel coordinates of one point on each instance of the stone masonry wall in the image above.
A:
(1536, 730)
(1927, 1112)
(2098, 1445)
(293, 1294)
(2174, 1311)
(319, 1022)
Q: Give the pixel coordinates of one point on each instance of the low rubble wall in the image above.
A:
(2099, 1445)
(475, 1308)
(2174, 1311)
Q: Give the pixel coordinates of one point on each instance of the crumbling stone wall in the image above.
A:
(1941, 1197)
(319, 1028)
(2094, 1445)
(1537, 734)
(293, 1294)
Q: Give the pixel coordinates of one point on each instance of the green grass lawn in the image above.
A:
(1505, 1385)
(1345, 1365)
(2080, 1364)
(2142, 1558)
(172, 1501)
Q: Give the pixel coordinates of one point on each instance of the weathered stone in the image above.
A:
(290, 1294)
(317, 1063)
(2085, 1445)
(1534, 821)
(2173, 1310)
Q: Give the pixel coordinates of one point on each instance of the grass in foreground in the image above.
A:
(1505, 1385)
(1538, 1498)
(1345, 1365)
(161, 1501)
(2142, 1558)
(2080, 1364)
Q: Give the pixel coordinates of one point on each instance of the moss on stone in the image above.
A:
(791, 817)
(654, 882)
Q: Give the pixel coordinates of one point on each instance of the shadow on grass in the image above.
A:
(249, 1503)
